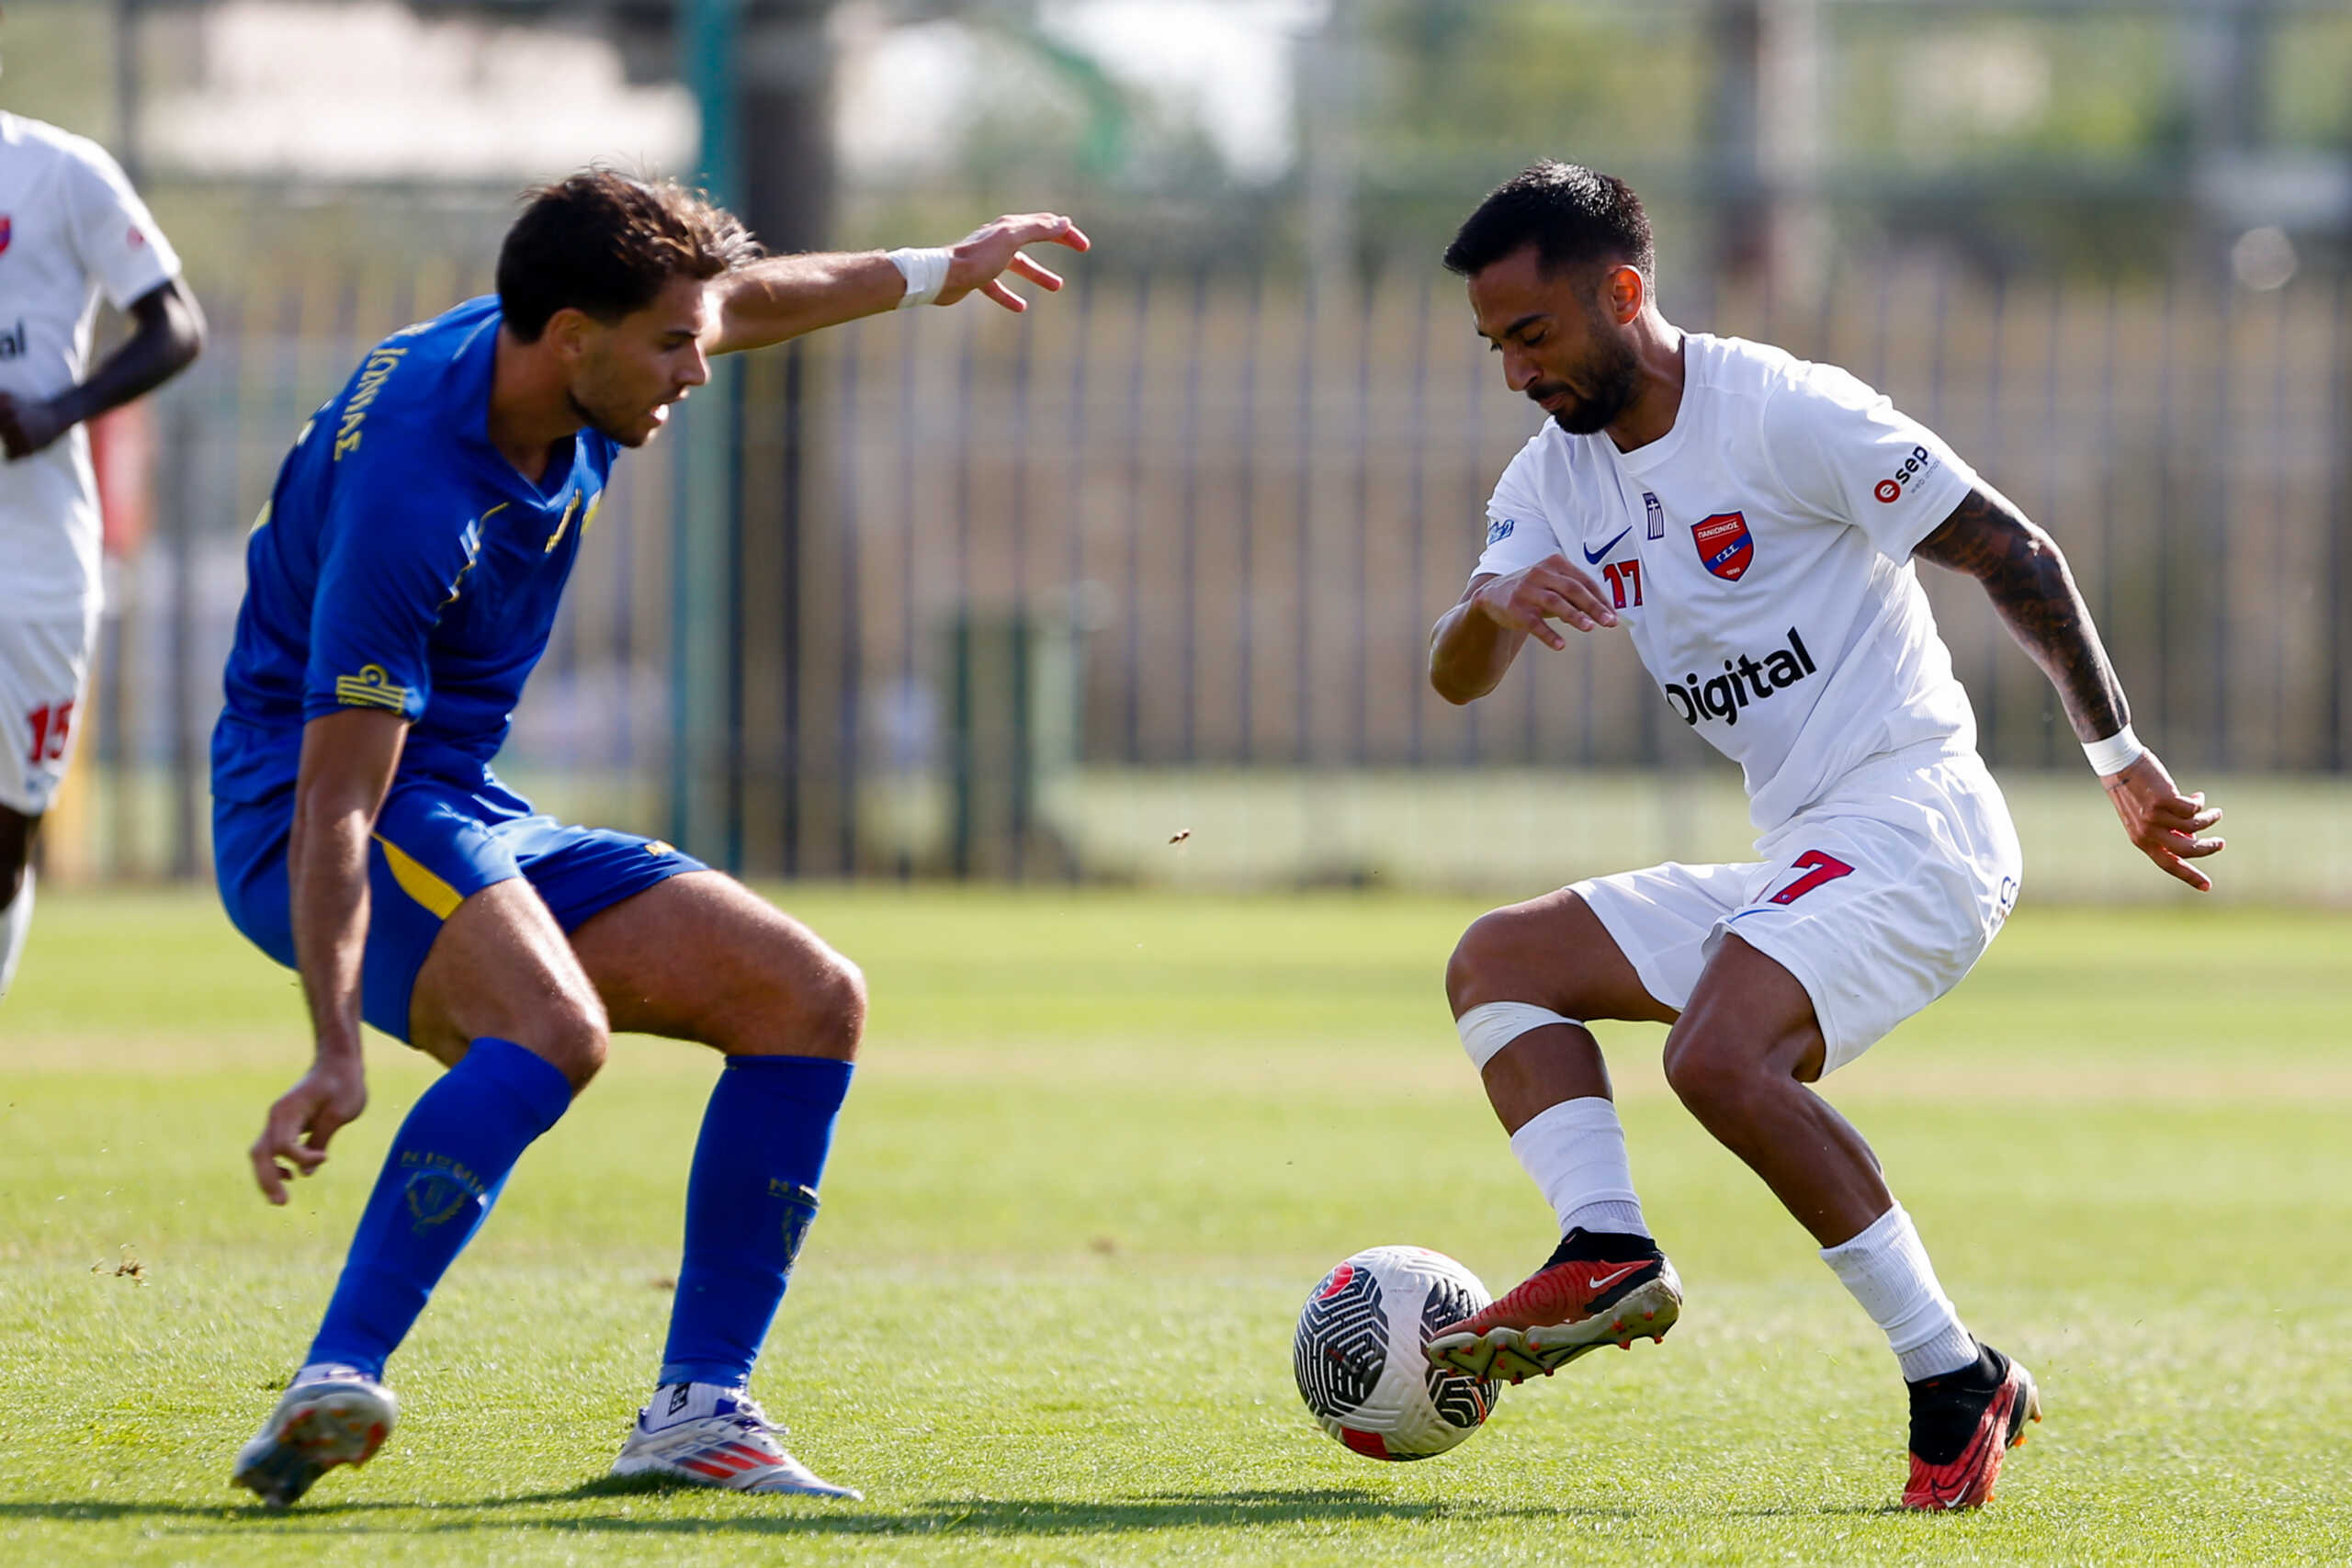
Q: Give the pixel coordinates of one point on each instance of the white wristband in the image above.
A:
(2116, 753)
(925, 272)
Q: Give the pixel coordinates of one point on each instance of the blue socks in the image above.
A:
(443, 1173)
(749, 1203)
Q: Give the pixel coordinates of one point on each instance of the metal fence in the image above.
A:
(1193, 521)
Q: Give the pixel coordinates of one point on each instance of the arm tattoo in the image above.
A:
(2023, 570)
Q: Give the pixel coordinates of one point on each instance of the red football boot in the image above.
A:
(1962, 1425)
(1576, 1302)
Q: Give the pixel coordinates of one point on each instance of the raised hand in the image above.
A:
(980, 260)
(2163, 822)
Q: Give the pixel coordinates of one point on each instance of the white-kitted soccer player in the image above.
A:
(1750, 521)
(70, 229)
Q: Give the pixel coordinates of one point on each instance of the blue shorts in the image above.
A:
(435, 845)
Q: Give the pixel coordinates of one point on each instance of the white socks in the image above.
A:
(16, 923)
(675, 1401)
(1576, 1152)
(1887, 1269)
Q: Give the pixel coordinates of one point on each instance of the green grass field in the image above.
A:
(1102, 1147)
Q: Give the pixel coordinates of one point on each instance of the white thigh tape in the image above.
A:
(1488, 1027)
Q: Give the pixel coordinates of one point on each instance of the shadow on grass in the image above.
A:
(994, 1515)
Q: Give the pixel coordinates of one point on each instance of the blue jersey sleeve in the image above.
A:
(393, 558)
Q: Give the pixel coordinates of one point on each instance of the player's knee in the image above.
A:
(1711, 1074)
(828, 1009)
(1486, 965)
(572, 1034)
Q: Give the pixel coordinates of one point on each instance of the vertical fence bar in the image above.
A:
(792, 485)
(2338, 553)
(1075, 516)
(1303, 646)
(1026, 639)
(1131, 617)
(2161, 544)
(1358, 696)
(1246, 510)
(1478, 488)
(1994, 363)
(2217, 526)
(1188, 525)
(904, 698)
(852, 350)
(1416, 521)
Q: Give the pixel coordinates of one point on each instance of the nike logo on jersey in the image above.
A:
(1746, 680)
(1592, 558)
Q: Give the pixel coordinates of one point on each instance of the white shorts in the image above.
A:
(44, 666)
(1878, 899)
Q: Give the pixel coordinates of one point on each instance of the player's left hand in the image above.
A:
(27, 425)
(980, 260)
(294, 1139)
(2164, 822)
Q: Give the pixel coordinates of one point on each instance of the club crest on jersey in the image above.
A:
(1725, 546)
(6, 223)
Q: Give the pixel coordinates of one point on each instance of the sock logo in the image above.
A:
(799, 1213)
(434, 1197)
(437, 1189)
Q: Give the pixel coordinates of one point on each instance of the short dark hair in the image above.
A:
(606, 245)
(1572, 216)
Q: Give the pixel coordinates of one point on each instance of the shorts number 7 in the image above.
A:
(1818, 868)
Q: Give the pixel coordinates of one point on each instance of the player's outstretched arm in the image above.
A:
(1473, 644)
(347, 763)
(167, 334)
(2024, 571)
(784, 297)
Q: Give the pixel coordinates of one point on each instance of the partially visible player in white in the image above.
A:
(71, 229)
(1750, 520)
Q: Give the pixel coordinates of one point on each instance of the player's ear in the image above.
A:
(568, 332)
(1624, 292)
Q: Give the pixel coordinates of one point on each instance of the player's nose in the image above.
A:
(1519, 370)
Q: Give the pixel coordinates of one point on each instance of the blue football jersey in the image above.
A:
(403, 564)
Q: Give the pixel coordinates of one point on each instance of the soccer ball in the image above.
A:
(1359, 1355)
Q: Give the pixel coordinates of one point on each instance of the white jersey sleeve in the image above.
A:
(1519, 533)
(1847, 453)
(111, 230)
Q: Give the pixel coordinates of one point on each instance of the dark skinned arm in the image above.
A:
(2025, 574)
(1471, 646)
(348, 759)
(167, 334)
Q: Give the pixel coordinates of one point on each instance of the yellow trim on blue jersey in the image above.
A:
(557, 537)
(418, 883)
(371, 688)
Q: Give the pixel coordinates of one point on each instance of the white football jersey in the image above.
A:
(71, 228)
(1758, 554)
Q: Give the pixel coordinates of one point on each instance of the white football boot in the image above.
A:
(710, 1436)
(329, 1415)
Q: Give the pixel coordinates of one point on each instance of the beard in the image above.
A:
(620, 429)
(1613, 376)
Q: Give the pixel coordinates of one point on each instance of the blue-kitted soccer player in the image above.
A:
(401, 582)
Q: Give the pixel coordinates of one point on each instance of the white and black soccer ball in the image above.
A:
(1360, 1354)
